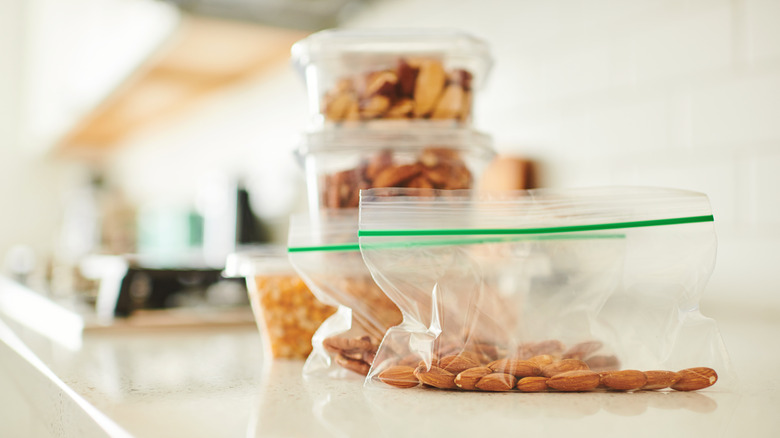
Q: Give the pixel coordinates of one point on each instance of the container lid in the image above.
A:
(258, 260)
(412, 139)
(337, 43)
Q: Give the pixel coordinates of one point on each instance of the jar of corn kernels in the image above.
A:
(286, 312)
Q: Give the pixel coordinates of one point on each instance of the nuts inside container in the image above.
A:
(339, 164)
(360, 76)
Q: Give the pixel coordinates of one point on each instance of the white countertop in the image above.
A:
(213, 382)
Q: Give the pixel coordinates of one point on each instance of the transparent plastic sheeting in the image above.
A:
(324, 251)
(620, 270)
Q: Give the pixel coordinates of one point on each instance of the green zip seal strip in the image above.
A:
(546, 230)
(444, 242)
(550, 231)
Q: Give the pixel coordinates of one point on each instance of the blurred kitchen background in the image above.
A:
(166, 129)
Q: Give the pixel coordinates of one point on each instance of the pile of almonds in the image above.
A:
(414, 88)
(552, 370)
(433, 168)
(567, 375)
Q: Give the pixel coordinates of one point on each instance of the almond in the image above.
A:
(421, 182)
(582, 350)
(401, 109)
(603, 363)
(382, 83)
(374, 106)
(563, 366)
(346, 346)
(435, 377)
(497, 382)
(578, 380)
(515, 367)
(483, 349)
(532, 384)
(337, 107)
(457, 363)
(355, 365)
(542, 360)
(433, 156)
(660, 379)
(428, 86)
(399, 376)
(468, 379)
(623, 380)
(692, 379)
(552, 347)
(394, 176)
(379, 162)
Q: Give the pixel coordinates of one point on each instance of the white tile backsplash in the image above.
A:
(763, 187)
(684, 44)
(734, 111)
(763, 29)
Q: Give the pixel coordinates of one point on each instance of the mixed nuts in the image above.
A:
(416, 88)
(432, 168)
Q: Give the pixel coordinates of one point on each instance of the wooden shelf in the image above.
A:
(203, 55)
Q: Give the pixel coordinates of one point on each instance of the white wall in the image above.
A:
(656, 92)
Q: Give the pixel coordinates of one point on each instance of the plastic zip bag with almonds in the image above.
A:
(324, 251)
(544, 290)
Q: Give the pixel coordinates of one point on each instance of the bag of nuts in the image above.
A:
(544, 290)
(325, 253)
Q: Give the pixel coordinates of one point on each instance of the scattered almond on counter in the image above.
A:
(660, 379)
(435, 377)
(468, 379)
(693, 379)
(399, 376)
(624, 380)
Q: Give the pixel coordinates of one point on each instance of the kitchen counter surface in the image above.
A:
(213, 382)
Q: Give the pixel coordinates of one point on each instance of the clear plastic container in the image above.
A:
(339, 163)
(355, 76)
(286, 312)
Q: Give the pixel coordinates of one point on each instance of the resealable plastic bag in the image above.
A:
(324, 251)
(504, 291)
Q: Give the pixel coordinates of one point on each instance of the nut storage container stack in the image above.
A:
(387, 108)
(390, 108)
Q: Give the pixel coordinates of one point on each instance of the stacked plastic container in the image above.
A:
(387, 108)
(390, 109)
